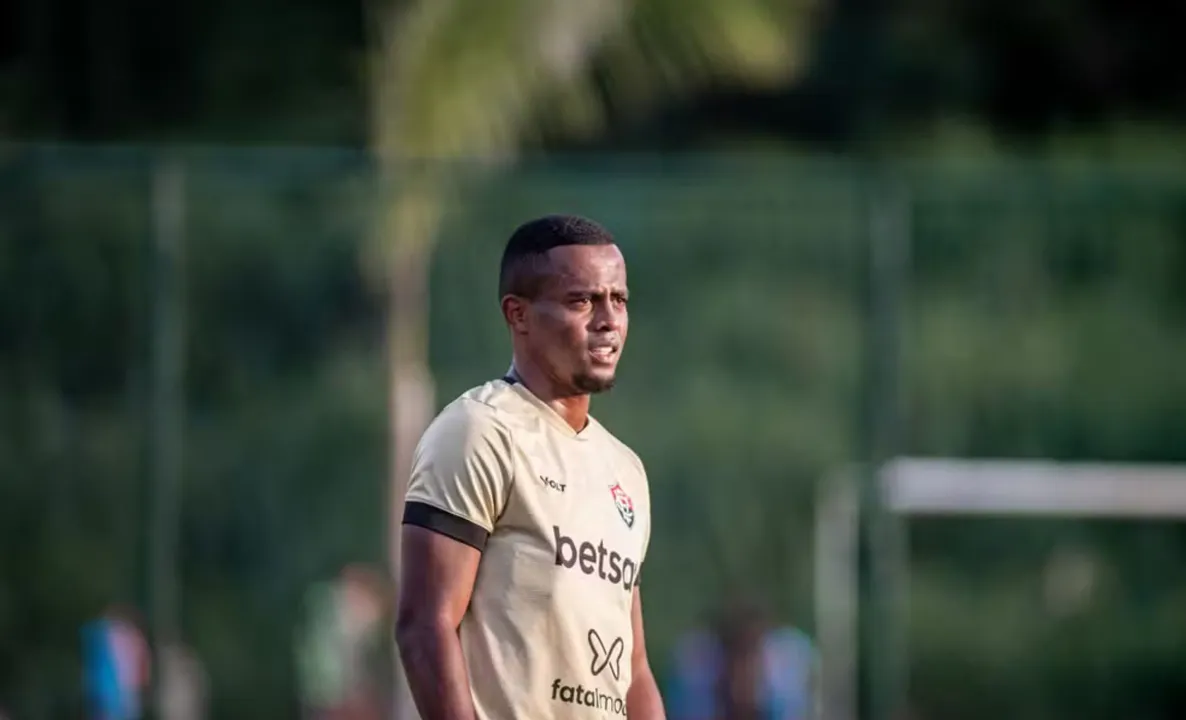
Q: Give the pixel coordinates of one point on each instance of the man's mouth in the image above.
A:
(604, 352)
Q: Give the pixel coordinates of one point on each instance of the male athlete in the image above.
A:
(526, 521)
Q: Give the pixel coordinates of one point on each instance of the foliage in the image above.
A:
(1030, 331)
(296, 72)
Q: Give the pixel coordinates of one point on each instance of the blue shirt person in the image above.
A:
(768, 676)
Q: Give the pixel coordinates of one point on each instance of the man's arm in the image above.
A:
(437, 580)
(643, 701)
(460, 476)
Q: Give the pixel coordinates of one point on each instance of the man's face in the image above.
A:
(576, 326)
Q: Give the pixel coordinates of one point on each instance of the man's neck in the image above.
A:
(574, 408)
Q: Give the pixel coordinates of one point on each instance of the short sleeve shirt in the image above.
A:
(563, 522)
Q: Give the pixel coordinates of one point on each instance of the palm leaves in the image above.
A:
(461, 78)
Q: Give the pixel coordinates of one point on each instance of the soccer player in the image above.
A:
(526, 521)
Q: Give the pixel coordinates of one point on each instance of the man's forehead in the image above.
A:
(587, 264)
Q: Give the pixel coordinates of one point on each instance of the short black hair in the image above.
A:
(521, 271)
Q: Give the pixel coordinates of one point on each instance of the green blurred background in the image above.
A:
(203, 431)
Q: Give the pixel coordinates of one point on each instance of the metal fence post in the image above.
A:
(166, 408)
(888, 263)
(836, 597)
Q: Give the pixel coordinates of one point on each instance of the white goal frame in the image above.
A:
(952, 486)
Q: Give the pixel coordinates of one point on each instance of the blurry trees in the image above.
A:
(272, 71)
(1030, 332)
(1046, 318)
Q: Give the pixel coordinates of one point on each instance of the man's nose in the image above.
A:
(608, 316)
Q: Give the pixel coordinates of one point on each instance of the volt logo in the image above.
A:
(550, 483)
(604, 657)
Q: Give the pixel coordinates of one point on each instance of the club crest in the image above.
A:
(624, 504)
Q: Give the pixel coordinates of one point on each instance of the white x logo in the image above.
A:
(603, 658)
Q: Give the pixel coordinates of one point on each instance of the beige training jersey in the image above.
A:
(563, 521)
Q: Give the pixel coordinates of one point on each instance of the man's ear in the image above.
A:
(514, 311)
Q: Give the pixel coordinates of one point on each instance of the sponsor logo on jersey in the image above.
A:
(552, 484)
(623, 503)
(606, 657)
(595, 560)
(588, 697)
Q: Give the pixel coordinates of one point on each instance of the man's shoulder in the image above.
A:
(480, 411)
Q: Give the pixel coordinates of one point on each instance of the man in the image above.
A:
(117, 665)
(744, 666)
(527, 522)
(336, 649)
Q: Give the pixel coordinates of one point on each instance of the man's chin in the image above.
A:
(594, 384)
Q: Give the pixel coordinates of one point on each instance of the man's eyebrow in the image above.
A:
(573, 292)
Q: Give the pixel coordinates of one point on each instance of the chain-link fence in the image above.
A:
(194, 388)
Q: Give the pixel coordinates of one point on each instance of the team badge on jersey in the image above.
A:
(623, 503)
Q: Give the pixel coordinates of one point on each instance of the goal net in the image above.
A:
(914, 487)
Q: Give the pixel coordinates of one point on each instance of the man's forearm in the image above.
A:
(436, 673)
(643, 701)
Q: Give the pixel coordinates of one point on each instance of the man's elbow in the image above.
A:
(405, 629)
(417, 632)
(642, 676)
(409, 629)
(640, 664)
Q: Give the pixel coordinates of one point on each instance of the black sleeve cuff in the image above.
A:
(446, 523)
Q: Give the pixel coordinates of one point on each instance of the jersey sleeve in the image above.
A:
(461, 475)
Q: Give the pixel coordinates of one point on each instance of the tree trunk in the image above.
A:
(410, 227)
(410, 409)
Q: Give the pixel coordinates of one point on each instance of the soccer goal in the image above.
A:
(946, 486)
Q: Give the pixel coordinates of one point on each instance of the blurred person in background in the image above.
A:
(341, 648)
(183, 683)
(116, 665)
(526, 521)
(742, 667)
